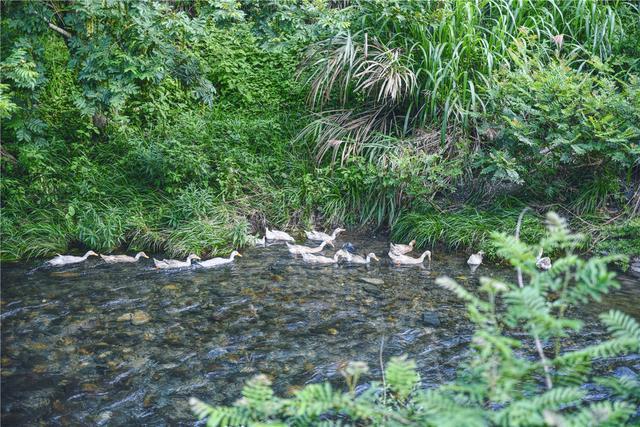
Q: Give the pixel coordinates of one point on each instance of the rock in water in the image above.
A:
(430, 319)
(124, 318)
(372, 281)
(623, 371)
(139, 317)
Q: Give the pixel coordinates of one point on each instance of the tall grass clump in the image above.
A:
(408, 64)
(465, 228)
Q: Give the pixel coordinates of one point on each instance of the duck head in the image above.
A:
(193, 256)
(141, 255)
(235, 254)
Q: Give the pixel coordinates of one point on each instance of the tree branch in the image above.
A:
(62, 31)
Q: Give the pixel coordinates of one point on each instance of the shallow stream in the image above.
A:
(72, 356)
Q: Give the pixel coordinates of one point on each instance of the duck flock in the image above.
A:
(397, 253)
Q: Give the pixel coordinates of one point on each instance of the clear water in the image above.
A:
(68, 360)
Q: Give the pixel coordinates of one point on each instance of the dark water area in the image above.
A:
(72, 355)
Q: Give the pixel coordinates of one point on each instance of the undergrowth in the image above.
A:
(205, 136)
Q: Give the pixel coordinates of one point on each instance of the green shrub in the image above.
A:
(518, 373)
(571, 136)
(402, 65)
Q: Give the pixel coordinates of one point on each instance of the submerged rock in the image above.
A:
(64, 274)
(124, 318)
(138, 317)
(431, 319)
(372, 281)
(104, 417)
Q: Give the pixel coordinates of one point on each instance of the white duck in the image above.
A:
(214, 262)
(543, 263)
(400, 249)
(174, 263)
(300, 249)
(278, 235)
(60, 260)
(475, 259)
(358, 259)
(318, 259)
(407, 260)
(113, 259)
(320, 236)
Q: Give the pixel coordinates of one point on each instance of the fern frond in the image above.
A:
(401, 376)
(313, 400)
(621, 325)
(601, 414)
(219, 416)
(624, 387)
(259, 397)
(200, 409)
(530, 411)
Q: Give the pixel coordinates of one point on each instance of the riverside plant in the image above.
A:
(518, 372)
(407, 64)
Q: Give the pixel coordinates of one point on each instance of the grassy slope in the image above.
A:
(180, 178)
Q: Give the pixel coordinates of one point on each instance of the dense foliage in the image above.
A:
(520, 371)
(185, 126)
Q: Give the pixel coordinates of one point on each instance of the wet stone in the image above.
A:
(138, 317)
(89, 388)
(430, 319)
(372, 281)
(372, 290)
(104, 418)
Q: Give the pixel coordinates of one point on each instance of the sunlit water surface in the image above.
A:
(68, 360)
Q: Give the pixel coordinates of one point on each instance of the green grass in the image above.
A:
(470, 229)
(465, 228)
(621, 237)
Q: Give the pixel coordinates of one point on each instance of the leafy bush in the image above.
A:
(571, 135)
(406, 64)
(112, 138)
(518, 374)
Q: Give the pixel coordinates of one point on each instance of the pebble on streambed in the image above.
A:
(138, 317)
(431, 319)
